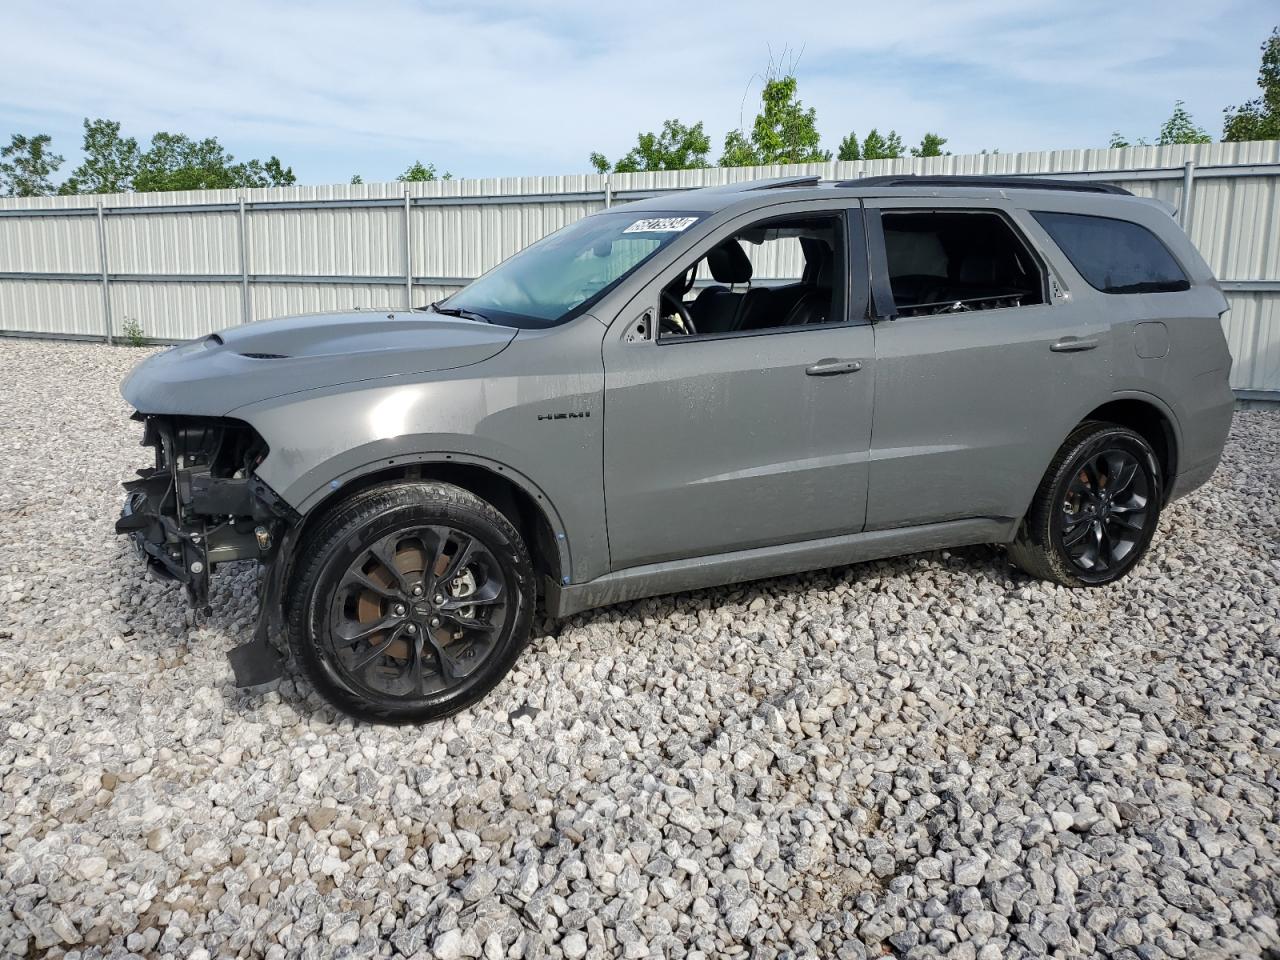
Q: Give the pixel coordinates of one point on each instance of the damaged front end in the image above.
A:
(202, 505)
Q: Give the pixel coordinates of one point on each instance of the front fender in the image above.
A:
(536, 419)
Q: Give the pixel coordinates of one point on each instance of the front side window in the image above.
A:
(778, 274)
(1114, 256)
(944, 261)
(564, 274)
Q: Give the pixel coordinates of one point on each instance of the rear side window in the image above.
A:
(1114, 256)
(954, 261)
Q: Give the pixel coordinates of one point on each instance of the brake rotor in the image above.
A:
(411, 561)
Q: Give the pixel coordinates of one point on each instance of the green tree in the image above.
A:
(174, 161)
(783, 131)
(1259, 118)
(739, 151)
(1180, 128)
(277, 174)
(676, 147)
(1119, 140)
(356, 178)
(850, 148)
(877, 147)
(26, 166)
(930, 146)
(110, 160)
(420, 172)
(256, 173)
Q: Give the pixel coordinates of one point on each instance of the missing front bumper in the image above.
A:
(195, 510)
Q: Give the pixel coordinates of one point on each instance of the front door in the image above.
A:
(981, 374)
(741, 418)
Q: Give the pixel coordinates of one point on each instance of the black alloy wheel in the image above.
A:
(1095, 511)
(411, 602)
(1104, 513)
(416, 612)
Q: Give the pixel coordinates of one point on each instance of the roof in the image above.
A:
(993, 182)
(741, 193)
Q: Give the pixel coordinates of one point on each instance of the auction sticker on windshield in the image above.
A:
(662, 225)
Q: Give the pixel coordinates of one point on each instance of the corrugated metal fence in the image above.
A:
(185, 264)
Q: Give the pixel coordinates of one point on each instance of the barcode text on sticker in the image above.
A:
(661, 225)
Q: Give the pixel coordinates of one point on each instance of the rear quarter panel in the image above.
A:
(1167, 348)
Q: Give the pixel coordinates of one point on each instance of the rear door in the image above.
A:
(981, 370)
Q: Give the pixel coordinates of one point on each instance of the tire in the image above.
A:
(1059, 538)
(409, 602)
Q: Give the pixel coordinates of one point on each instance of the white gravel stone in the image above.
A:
(345, 935)
(969, 873)
(91, 868)
(447, 946)
(574, 946)
(928, 756)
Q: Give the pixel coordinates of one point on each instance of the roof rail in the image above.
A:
(1006, 182)
(767, 183)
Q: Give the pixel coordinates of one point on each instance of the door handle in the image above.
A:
(831, 367)
(1073, 344)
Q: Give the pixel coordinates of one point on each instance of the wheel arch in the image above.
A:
(1150, 418)
(509, 491)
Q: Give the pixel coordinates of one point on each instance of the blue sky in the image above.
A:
(496, 88)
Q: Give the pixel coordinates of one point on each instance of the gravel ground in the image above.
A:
(922, 757)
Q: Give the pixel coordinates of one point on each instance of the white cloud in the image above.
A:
(505, 88)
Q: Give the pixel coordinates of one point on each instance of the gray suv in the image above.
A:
(712, 386)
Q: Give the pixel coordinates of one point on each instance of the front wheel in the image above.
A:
(411, 601)
(1095, 511)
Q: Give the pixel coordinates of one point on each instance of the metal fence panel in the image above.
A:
(288, 299)
(183, 243)
(52, 308)
(348, 241)
(1253, 334)
(187, 263)
(49, 244)
(189, 309)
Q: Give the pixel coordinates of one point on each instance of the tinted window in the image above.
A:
(944, 262)
(1115, 256)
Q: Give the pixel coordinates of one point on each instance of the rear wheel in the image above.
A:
(1095, 511)
(411, 601)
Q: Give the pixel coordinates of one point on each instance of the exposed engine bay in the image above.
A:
(201, 505)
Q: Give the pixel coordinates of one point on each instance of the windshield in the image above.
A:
(563, 274)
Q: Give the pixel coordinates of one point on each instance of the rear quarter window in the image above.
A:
(1114, 256)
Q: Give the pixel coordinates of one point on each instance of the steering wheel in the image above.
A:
(677, 306)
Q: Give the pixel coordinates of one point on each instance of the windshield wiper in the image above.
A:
(458, 312)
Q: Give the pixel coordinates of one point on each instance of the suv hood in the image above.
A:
(270, 358)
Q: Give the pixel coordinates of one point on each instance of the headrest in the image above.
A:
(913, 253)
(729, 263)
(826, 266)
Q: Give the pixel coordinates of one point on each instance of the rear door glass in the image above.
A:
(955, 261)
